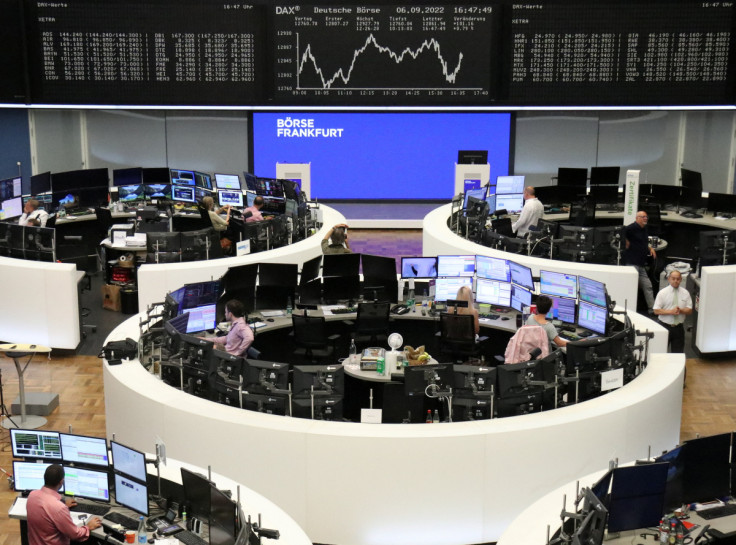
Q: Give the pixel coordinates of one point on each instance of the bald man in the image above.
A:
(671, 306)
(531, 213)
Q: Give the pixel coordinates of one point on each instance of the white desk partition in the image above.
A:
(155, 280)
(716, 331)
(393, 484)
(621, 282)
(39, 303)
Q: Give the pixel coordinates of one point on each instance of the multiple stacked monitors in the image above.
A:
(130, 477)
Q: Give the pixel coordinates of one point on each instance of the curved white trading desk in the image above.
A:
(396, 484)
(155, 280)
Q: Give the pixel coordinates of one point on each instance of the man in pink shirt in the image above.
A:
(255, 210)
(240, 336)
(49, 521)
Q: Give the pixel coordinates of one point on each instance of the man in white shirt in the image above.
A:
(531, 213)
(671, 305)
(32, 215)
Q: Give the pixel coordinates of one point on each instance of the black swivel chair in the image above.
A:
(457, 336)
(371, 326)
(654, 222)
(104, 222)
(204, 215)
(311, 337)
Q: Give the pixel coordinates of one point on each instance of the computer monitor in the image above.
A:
(563, 309)
(263, 376)
(196, 493)
(183, 194)
(40, 444)
(575, 177)
(558, 284)
(131, 494)
(158, 191)
(81, 449)
(329, 407)
(479, 194)
(128, 461)
(378, 267)
(493, 292)
(158, 175)
(520, 298)
(508, 185)
(418, 267)
(293, 190)
(587, 355)
(472, 378)
(87, 483)
(127, 176)
(131, 193)
(250, 197)
(604, 175)
(721, 203)
(182, 177)
(472, 157)
(674, 493)
(269, 187)
(279, 274)
(222, 518)
(455, 265)
(203, 180)
(492, 268)
(604, 194)
(230, 198)
(199, 294)
(266, 403)
(28, 476)
(521, 275)
(691, 178)
(74, 179)
(227, 181)
(418, 378)
(10, 188)
(637, 497)
(12, 208)
(665, 194)
(41, 183)
(707, 468)
(512, 203)
(201, 318)
(515, 395)
(491, 201)
(447, 288)
(592, 291)
(326, 380)
(592, 317)
(341, 265)
(310, 270)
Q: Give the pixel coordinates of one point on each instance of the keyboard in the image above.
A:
(344, 310)
(126, 522)
(567, 335)
(718, 512)
(188, 538)
(489, 316)
(91, 508)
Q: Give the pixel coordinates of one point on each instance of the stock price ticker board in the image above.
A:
(373, 54)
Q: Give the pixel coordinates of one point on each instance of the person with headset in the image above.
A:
(671, 306)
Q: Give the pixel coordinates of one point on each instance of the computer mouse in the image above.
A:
(504, 318)
(269, 319)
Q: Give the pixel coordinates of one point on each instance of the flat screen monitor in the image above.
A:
(378, 268)
(268, 187)
(158, 191)
(131, 494)
(283, 275)
(604, 175)
(35, 444)
(604, 194)
(81, 449)
(200, 293)
(506, 185)
(512, 203)
(558, 284)
(691, 178)
(491, 201)
(128, 461)
(12, 208)
(131, 193)
(722, 203)
(455, 265)
(493, 268)
(74, 179)
(250, 197)
(201, 318)
(479, 194)
(326, 379)
(665, 194)
(196, 493)
(227, 181)
(341, 265)
(40, 183)
(310, 270)
(180, 323)
(203, 180)
(447, 288)
(200, 193)
(261, 376)
(472, 157)
(520, 298)
(10, 188)
(521, 275)
(417, 378)
(182, 177)
(222, 517)
(158, 175)
(563, 309)
(592, 317)
(637, 497)
(230, 198)
(182, 194)
(86, 483)
(128, 176)
(28, 476)
(592, 291)
(493, 292)
(706, 468)
(266, 403)
(293, 189)
(575, 177)
(418, 267)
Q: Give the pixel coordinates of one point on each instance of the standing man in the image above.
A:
(32, 215)
(672, 304)
(49, 521)
(636, 253)
(255, 210)
(531, 213)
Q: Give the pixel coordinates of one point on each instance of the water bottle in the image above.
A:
(381, 366)
(353, 352)
(288, 306)
(436, 418)
(142, 537)
(429, 417)
(664, 532)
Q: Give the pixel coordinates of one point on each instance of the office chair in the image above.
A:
(204, 215)
(654, 224)
(104, 222)
(371, 326)
(502, 226)
(311, 337)
(457, 336)
(582, 213)
(528, 341)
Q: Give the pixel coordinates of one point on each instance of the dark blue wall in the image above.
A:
(15, 145)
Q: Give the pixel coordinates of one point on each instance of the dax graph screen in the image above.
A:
(373, 53)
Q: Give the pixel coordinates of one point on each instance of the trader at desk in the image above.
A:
(255, 210)
(32, 215)
(240, 336)
(671, 306)
(49, 521)
(531, 213)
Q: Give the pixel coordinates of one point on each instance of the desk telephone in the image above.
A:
(400, 309)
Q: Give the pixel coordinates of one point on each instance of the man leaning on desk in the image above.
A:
(33, 215)
(49, 521)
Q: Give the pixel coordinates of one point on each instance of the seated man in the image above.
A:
(336, 240)
(255, 210)
(240, 336)
(32, 215)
